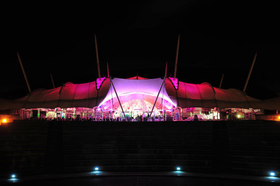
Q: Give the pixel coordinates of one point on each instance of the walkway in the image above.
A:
(142, 178)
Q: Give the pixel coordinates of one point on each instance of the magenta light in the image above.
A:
(127, 87)
(99, 81)
(175, 82)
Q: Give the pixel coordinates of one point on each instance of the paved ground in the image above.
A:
(142, 181)
(175, 178)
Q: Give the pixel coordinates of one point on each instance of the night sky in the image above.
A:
(138, 38)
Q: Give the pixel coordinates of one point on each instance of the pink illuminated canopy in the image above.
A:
(204, 95)
(100, 93)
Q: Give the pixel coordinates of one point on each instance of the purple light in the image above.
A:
(99, 81)
(138, 88)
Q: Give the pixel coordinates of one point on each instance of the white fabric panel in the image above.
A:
(126, 87)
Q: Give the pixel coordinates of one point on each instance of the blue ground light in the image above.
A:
(13, 178)
(272, 174)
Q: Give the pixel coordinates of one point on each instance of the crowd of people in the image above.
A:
(138, 118)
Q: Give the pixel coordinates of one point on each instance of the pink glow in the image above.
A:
(127, 87)
(99, 81)
(175, 82)
(82, 91)
(99, 92)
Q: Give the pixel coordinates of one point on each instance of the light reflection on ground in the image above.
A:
(13, 180)
(96, 173)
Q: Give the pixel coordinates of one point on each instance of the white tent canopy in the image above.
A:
(149, 87)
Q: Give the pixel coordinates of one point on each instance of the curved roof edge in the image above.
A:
(206, 95)
(187, 95)
(67, 95)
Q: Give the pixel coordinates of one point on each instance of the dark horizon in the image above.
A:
(138, 39)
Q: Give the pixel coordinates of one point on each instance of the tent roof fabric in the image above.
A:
(68, 95)
(271, 104)
(187, 95)
(137, 77)
(205, 95)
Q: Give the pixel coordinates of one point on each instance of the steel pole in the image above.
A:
(97, 56)
(156, 98)
(221, 81)
(26, 80)
(249, 75)
(52, 81)
(177, 54)
(117, 97)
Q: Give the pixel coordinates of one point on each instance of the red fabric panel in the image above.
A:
(220, 94)
(53, 94)
(92, 90)
(192, 91)
(170, 88)
(181, 92)
(82, 91)
(104, 89)
(206, 91)
(135, 77)
(67, 92)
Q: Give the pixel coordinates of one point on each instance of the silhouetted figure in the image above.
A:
(195, 118)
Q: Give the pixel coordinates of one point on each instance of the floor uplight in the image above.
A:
(96, 168)
(272, 174)
(13, 178)
(178, 168)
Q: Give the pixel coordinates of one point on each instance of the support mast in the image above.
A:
(52, 81)
(97, 56)
(249, 75)
(221, 81)
(108, 75)
(26, 80)
(156, 98)
(177, 54)
(117, 97)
